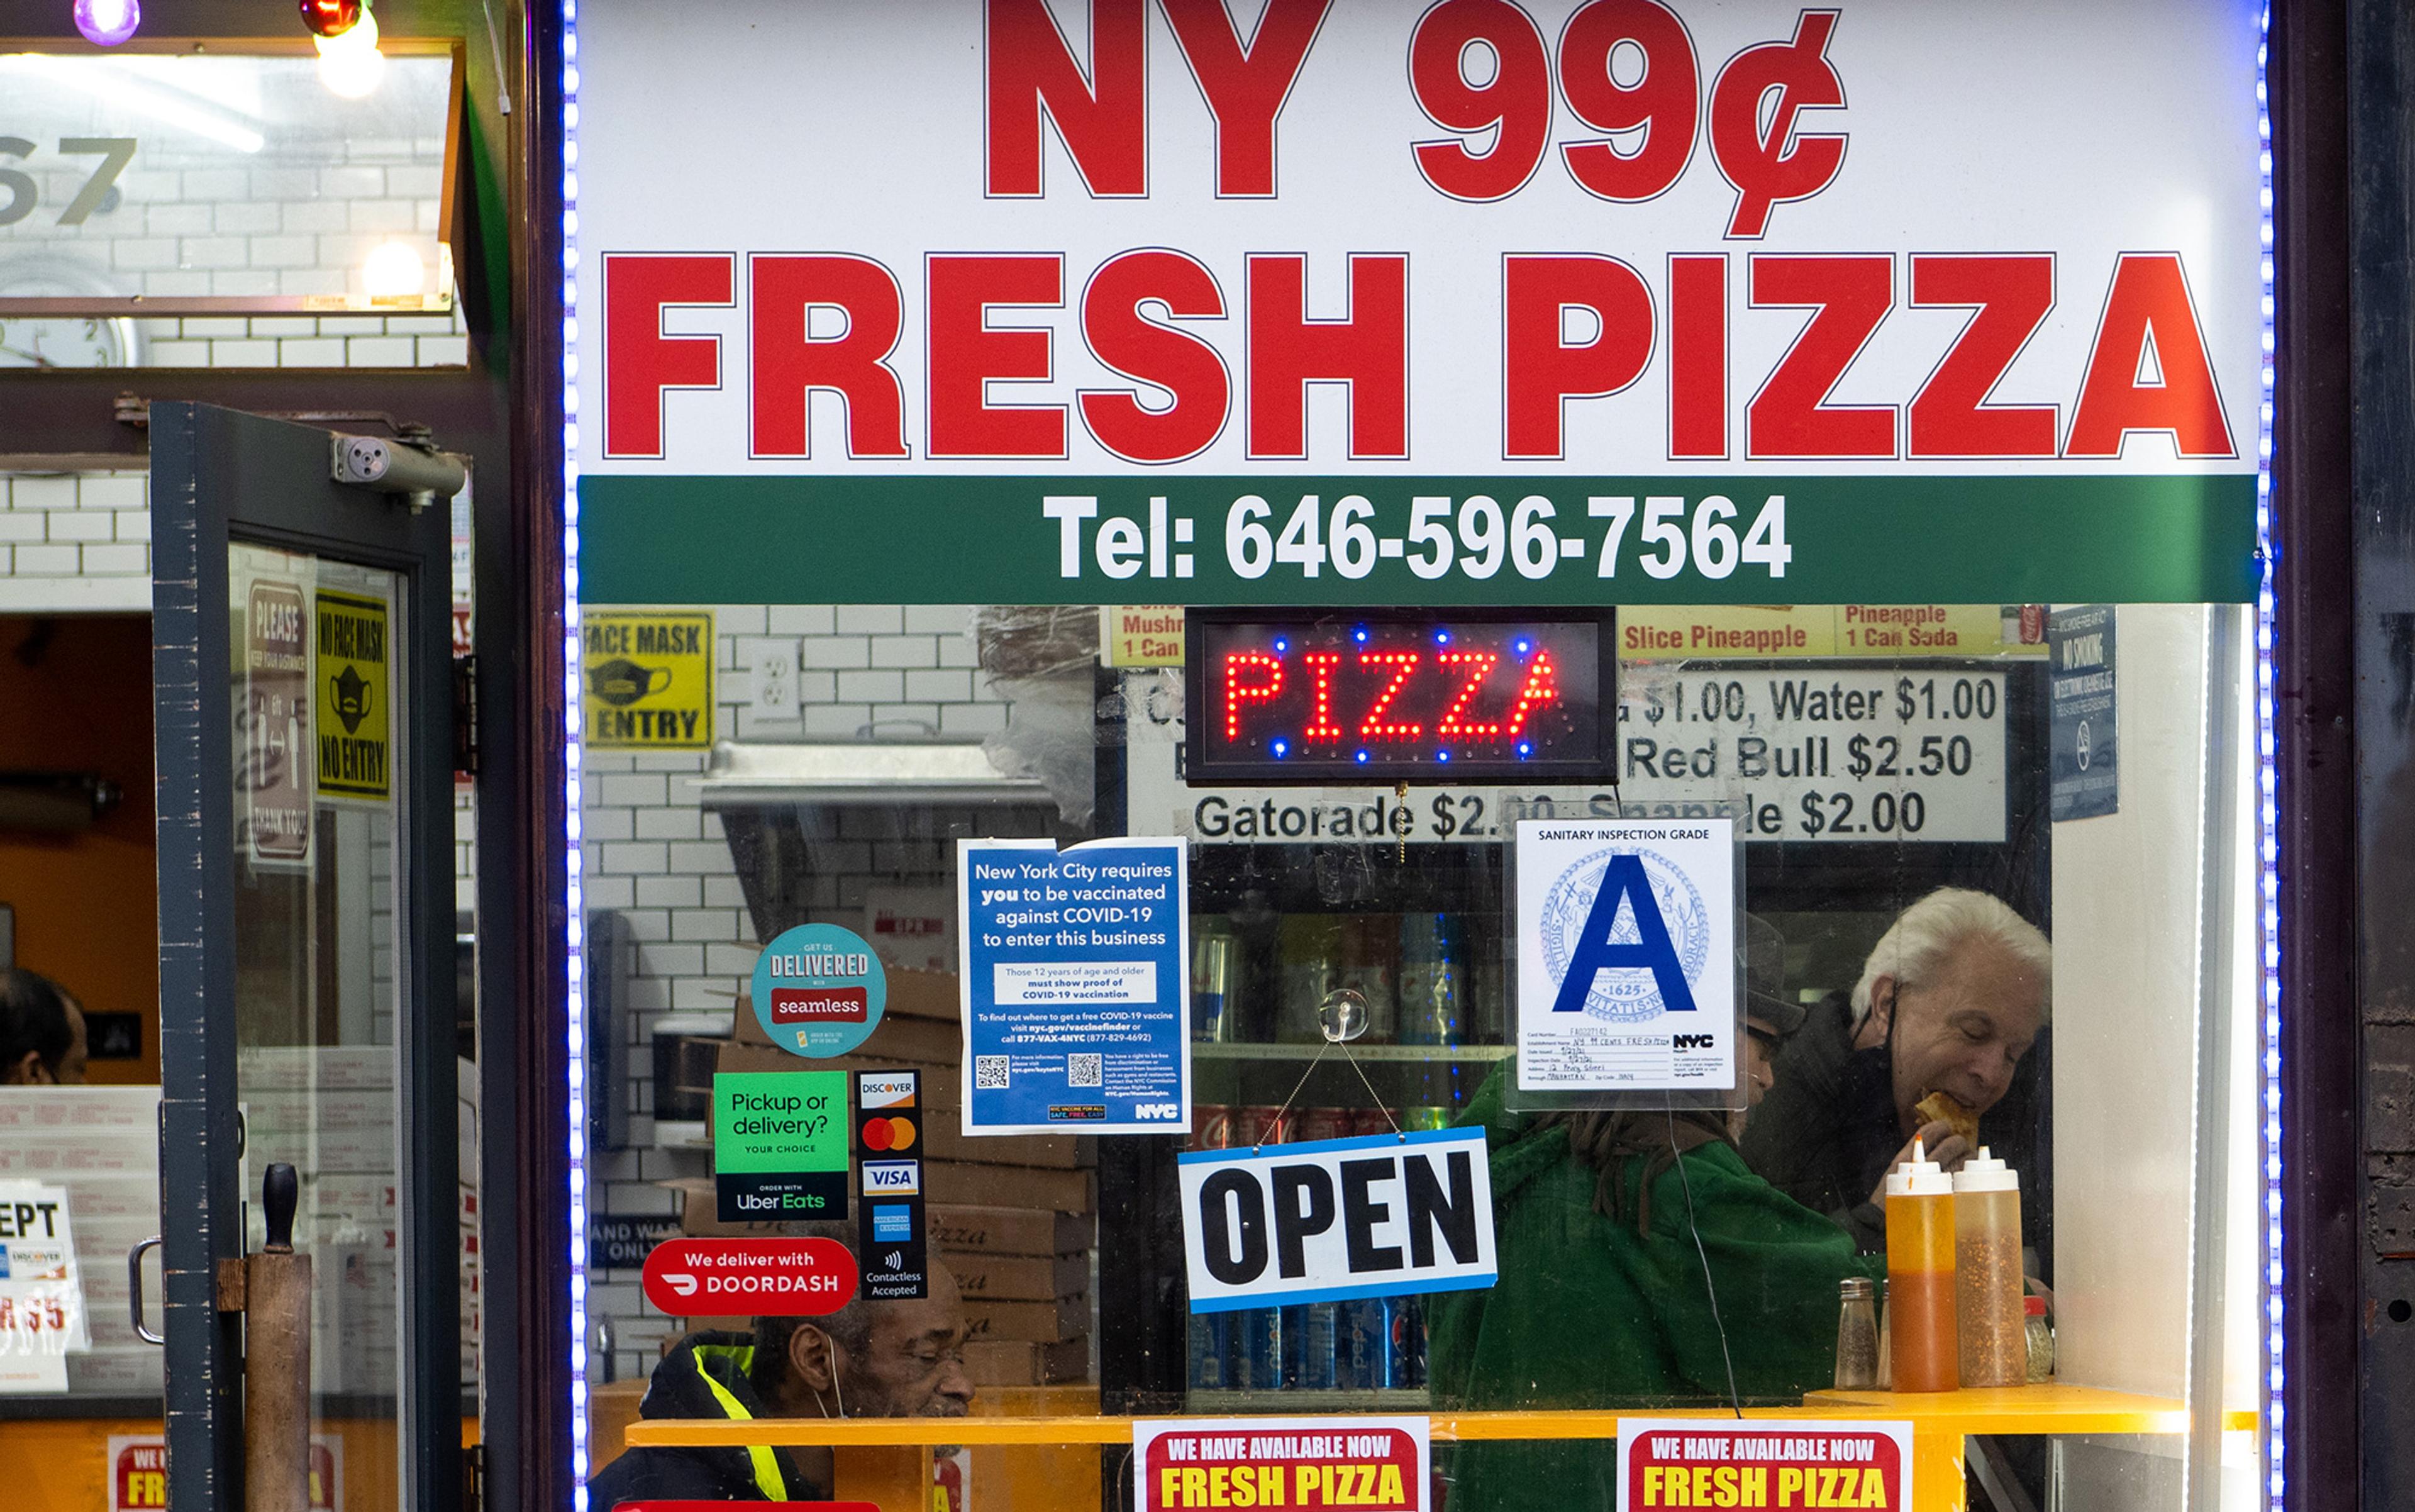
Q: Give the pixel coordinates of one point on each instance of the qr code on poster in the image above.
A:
(989, 1073)
(1085, 1071)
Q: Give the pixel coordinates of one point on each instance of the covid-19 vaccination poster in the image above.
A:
(1077, 986)
(1627, 969)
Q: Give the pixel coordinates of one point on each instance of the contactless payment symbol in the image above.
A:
(819, 990)
(1626, 935)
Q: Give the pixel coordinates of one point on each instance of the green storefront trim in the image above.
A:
(939, 539)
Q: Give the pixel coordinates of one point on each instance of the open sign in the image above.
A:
(1338, 1217)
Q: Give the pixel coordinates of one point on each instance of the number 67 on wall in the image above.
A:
(23, 192)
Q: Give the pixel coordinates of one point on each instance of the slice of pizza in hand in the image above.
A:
(1945, 1106)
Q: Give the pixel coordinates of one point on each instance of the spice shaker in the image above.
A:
(1857, 1335)
(1920, 1275)
(2041, 1340)
(1989, 1321)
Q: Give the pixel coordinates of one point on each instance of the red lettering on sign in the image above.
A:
(1514, 105)
(1245, 88)
(967, 354)
(1662, 103)
(640, 360)
(1102, 117)
(2149, 309)
(788, 364)
(1374, 727)
(1951, 416)
(1368, 350)
(1697, 356)
(1541, 369)
(1238, 692)
(1781, 163)
(1123, 336)
(1790, 416)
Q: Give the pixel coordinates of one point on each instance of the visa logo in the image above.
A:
(900, 1179)
(1157, 1110)
(1692, 1041)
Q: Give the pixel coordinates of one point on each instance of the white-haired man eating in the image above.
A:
(1950, 1000)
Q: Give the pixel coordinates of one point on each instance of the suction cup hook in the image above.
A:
(1342, 1016)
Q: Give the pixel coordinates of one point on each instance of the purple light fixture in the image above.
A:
(108, 23)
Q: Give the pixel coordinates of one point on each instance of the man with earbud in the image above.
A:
(884, 1358)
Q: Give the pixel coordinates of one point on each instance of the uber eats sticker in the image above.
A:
(352, 666)
(648, 676)
(779, 1146)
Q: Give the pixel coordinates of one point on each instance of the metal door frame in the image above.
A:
(218, 473)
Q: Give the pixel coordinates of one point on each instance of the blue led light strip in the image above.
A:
(574, 1001)
(2268, 825)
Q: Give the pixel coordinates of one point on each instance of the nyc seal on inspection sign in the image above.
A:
(646, 677)
(1627, 974)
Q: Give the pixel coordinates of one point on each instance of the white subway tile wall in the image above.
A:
(652, 854)
(74, 542)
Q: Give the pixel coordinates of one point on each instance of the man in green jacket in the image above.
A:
(1616, 1230)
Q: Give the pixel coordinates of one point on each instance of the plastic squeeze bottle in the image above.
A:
(1988, 1273)
(1923, 1355)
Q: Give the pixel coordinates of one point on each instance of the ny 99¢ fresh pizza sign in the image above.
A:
(1500, 301)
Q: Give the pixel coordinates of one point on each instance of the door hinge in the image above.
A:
(473, 1478)
(465, 716)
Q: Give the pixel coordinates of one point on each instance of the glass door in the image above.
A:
(302, 628)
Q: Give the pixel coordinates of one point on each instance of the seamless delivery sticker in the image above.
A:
(1627, 955)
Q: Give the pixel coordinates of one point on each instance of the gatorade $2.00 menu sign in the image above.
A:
(1508, 302)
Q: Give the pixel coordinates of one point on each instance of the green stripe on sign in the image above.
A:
(938, 539)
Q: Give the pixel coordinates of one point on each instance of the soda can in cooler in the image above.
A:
(1433, 980)
(1308, 968)
(1256, 1355)
(1261, 1124)
(1324, 1123)
(1366, 1343)
(1311, 1337)
(1215, 965)
(1211, 1351)
(1409, 1342)
(1369, 1122)
(1211, 1127)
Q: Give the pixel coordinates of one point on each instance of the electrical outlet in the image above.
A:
(774, 664)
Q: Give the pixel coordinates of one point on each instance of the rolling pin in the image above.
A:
(277, 1359)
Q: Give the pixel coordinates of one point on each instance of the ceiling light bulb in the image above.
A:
(350, 63)
(330, 18)
(106, 23)
(393, 271)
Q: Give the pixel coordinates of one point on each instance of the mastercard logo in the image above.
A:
(889, 1133)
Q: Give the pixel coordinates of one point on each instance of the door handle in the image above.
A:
(134, 1290)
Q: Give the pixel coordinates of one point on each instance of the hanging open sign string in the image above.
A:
(1341, 1018)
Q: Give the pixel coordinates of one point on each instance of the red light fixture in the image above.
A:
(331, 18)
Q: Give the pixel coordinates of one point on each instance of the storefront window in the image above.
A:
(1690, 714)
(1916, 924)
